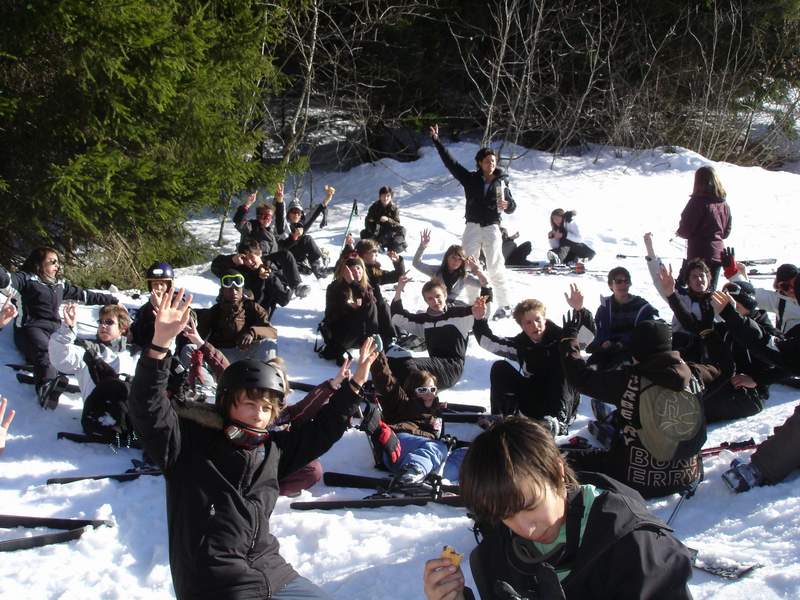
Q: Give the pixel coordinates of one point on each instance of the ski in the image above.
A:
(758, 261)
(464, 408)
(73, 529)
(460, 417)
(82, 438)
(334, 479)
(731, 446)
(377, 502)
(28, 379)
(721, 567)
(126, 476)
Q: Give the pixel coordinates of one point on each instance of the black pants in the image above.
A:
(723, 402)
(571, 251)
(32, 341)
(519, 255)
(534, 397)
(284, 265)
(305, 249)
(447, 370)
(349, 332)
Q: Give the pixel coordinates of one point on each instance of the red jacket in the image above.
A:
(705, 222)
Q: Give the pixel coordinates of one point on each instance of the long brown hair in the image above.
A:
(350, 262)
(33, 264)
(707, 183)
(509, 462)
(459, 251)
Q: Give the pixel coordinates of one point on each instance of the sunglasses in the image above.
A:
(106, 322)
(229, 281)
(621, 281)
(425, 389)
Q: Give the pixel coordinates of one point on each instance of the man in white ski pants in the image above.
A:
(488, 196)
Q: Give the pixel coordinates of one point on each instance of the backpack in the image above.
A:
(673, 425)
(105, 410)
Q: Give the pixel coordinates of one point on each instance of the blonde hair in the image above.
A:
(528, 305)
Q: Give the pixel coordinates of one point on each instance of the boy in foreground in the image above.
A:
(222, 473)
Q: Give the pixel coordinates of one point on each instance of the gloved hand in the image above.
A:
(381, 435)
(742, 476)
(729, 262)
(571, 324)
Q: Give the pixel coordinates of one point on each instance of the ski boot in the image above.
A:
(742, 476)
(50, 391)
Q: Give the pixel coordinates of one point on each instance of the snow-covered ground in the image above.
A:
(366, 554)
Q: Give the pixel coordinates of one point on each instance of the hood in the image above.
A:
(202, 413)
(666, 369)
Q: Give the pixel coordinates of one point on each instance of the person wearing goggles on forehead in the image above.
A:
(222, 465)
(237, 326)
(406, 428)
(96, 363)
(615, 320)
(781, 300)
(272, 280)
(159, 277)
(41, 292)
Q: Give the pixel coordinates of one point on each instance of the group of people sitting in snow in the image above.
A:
(203, 391)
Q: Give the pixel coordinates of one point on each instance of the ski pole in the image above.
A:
(688, 493)
(643, 256)
(353, 211)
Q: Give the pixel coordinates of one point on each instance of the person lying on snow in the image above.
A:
(547, 532)
(222, 474)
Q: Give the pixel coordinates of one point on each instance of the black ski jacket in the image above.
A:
(539, 361)
(252, 229)
(220, 497)
(626, 554)
(41, 300)
(481, 202)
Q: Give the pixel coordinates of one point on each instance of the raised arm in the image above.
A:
(456, 169)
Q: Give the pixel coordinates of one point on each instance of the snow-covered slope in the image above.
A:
(366, 554)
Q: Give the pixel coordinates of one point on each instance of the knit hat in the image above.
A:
(295, 205)
(786, 272)
(650, 337)
(743, 292)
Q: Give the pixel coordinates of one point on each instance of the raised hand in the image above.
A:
(648, 243)
(479, 309)
(719, 300)
(279, 192)
(575, 297)
(343, 373)
(251, 198)
(666, 280)
(172, 314)
(70, 315)
(191, 333)
(401, 284)
(393, 256)
(571, 324)
(366, 356)
(434, 131)
(425, 238)
(5, 423)
(7, 312)
(329, 192)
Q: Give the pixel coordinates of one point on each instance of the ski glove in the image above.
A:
(742, 476)
(380, 434)
(729, 262)
(571, 324)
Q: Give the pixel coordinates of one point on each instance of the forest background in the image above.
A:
(118, 119)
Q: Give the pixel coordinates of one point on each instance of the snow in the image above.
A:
(364, 554)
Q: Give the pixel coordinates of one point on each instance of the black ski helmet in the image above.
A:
(160, 271)
(250, 373)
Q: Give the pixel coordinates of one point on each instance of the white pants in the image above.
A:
(488, 239)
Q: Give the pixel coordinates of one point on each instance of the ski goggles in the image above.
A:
(424, 389)
(229, 281)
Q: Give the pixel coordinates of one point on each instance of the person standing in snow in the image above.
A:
(705, 222)
(488, 196)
